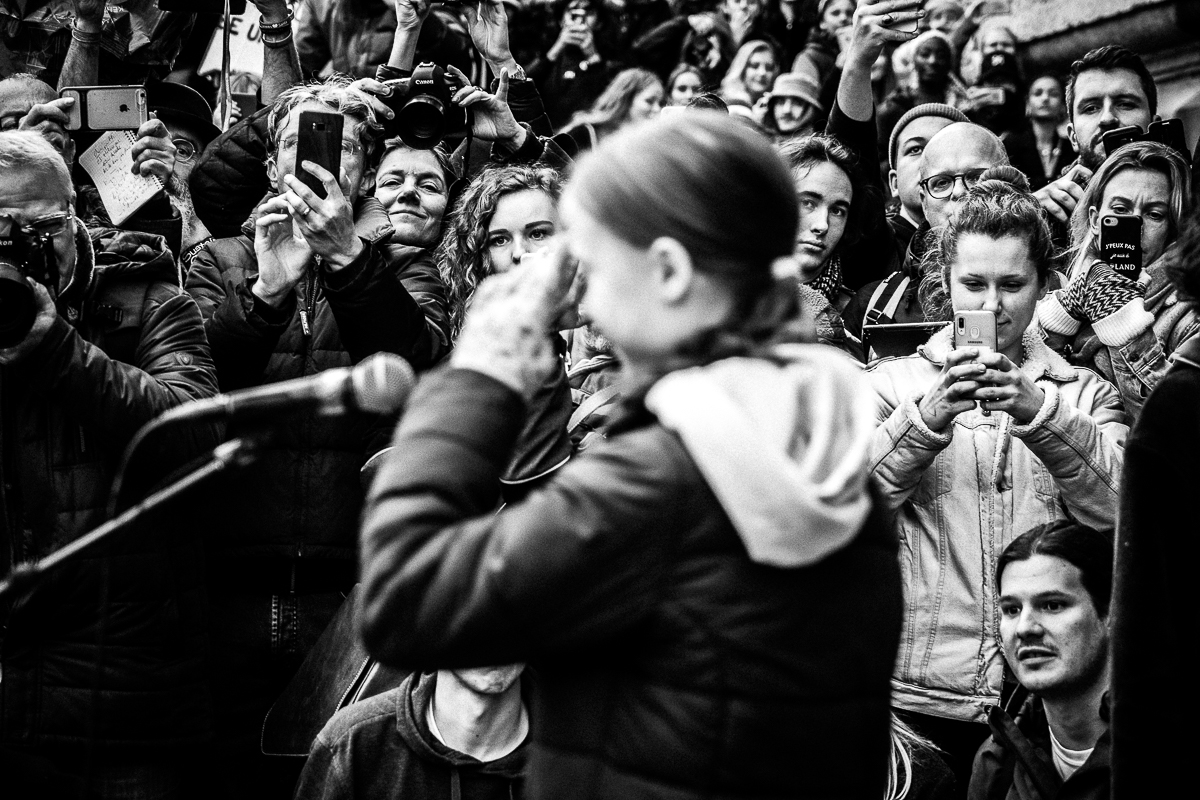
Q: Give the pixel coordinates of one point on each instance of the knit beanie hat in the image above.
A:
(924, 110)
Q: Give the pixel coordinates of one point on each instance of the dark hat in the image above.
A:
(174, 102)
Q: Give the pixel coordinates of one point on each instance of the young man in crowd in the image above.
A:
(451, 733)
(105, 653)
(1054, 584)
(312, 284)
(1108, 88)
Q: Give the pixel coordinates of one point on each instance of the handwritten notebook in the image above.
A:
(110, 163)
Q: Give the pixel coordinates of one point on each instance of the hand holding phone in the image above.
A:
(106, 108)
(975, 329)
(320, 141)
(1121, 244)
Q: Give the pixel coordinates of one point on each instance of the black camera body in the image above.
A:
(22, 256)
(424, 113)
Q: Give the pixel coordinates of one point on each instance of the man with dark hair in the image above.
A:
(1108, 88)
(1054, 585)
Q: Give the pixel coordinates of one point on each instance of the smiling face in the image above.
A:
(523, 223)
(412, 187)
(791, 114)
(353, 174)
(1054, 640)
(646, 103)
(825, 194)
(1103, 101)
(686, 86)
(760, 72)
(997, 275)
(1142, 193)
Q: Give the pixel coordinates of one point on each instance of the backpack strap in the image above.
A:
(886, 298)
(598, 399)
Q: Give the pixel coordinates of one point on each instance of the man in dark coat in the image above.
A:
(105, 654)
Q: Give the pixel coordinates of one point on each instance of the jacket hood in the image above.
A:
(782, 443)
(125, 253)
(411, 723)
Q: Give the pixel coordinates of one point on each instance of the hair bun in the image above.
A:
(1005, 173)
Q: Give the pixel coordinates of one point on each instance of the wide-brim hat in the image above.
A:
(799, 86)
(174, 102)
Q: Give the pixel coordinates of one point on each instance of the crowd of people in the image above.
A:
(699, 494)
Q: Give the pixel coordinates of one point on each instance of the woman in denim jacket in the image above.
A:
(1125, 328)
(976, 447)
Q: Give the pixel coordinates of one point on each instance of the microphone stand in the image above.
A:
(235, 453)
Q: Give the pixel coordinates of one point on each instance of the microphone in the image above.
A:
(379, 384)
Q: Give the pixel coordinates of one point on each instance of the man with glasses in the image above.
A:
(953, 160)
(313, 283)
(106, 653)
(188, 118)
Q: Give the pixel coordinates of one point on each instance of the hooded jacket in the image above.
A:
(382, 749)
(684, 587)
(1016, 764)
(960, 496)
(133, 348)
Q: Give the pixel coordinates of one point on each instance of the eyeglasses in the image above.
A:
(350, 148)
(941, 186)
(49, 225)
(184, 150)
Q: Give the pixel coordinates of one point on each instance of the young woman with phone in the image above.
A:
(964, 483)
(1120, 324)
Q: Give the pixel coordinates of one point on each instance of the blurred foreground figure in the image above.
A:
(709, 595)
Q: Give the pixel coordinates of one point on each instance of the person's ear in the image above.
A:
(894, 183)
(367, 185)
(68, 153)
(1072, 138)
(673, 269)
(272, 171)
(1094, 221)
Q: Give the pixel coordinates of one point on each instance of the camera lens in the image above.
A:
(17, 307)
(422, 121)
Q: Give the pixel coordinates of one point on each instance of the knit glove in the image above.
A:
(1112, 303)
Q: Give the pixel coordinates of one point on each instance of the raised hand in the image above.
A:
(487, 22)
(411, 14)
(326, 224)
(153, 151)
(877, 22)
(373, 90)
(493, 120)
(1060, 197)
(512, 317)
(282, 258)
(954, 390)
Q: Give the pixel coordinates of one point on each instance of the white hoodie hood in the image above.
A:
(783, 446)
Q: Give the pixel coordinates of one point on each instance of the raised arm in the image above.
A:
(281, 60)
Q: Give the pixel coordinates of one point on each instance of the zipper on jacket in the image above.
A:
(307, 311)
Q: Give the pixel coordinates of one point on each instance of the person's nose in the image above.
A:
(960, 189)
(1108, 115)
(1029, 625)
(519, 249)
(991, 300)
(408, 190)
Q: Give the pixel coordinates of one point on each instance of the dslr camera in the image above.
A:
(424, 113)
(22, 256)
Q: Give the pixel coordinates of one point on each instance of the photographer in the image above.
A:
(574, 71)
(106, 654)
(974, 448)
(1126, 327)
(312, 284)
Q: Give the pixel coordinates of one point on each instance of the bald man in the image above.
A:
(953, 160)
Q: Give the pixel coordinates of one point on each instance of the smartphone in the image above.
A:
(1119, 137)
(246, 102)
(106, 108)
(1121, 243)
(991, 95)
(1170, 133)
(320, 141)
(975, 329)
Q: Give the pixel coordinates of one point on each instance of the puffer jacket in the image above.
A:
(230, 176)
(961, 496)
(1136, 367)
(689, 633)
(133, 348)
(304, 496)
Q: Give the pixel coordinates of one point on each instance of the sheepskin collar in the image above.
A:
(1040, 361)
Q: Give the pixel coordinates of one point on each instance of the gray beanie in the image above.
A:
(924, 110)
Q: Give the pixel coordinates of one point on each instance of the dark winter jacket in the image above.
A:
(382, 749)
(671, 663)
(1015, 764)
(230, 177)
(133, 348)
(1156, 551)
(304, 497)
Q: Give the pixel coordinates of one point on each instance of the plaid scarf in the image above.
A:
(829, 281)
